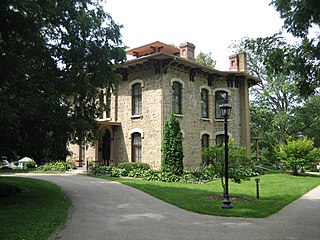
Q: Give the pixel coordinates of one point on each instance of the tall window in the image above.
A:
(204, 145)
(220, 96)
(136, 99)
(101, 104)
(204, 103)
(108, 107)
(176, 97)
(136, 147)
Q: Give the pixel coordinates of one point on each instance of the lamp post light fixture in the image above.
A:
(226, 111)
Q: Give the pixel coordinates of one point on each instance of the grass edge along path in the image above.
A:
(34, 213)
(276, 191)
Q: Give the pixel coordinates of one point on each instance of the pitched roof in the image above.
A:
(152, 48)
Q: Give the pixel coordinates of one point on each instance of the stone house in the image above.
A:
(162, 80)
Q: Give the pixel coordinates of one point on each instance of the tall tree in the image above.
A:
(301, 17)
(277, 93)
(54, 56)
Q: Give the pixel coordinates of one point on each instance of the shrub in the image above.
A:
(30, 164)
(129, 166)
(298, 153)
(111, 171)
(172, 151)
(55, 166)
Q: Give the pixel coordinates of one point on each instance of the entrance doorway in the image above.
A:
(106, 148)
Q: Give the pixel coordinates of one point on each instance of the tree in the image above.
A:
(54, 56)
(298, 153)
(205, 59)
(172, 151)
(240, 165)
(277, 93)
(300, 18)
(306, 120)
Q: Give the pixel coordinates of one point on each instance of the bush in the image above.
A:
(55, 167)
(129, 166)
(30, 164)
(298, 153)
(110, 171)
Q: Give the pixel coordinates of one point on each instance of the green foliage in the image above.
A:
(55, 167)
(306, 120)
(240, 165)
(156, 175)
(129, 166)
(110, 171)
(172, 152)
(298, 153)
(53, 57)
(300, 17)
(205, 59)
(30, 164)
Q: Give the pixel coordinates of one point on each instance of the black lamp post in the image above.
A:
(226, 111)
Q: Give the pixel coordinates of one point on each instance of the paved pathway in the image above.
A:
(109, 210)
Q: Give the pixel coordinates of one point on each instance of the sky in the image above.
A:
(211, 25)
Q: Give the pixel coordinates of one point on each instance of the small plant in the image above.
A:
(129, 166)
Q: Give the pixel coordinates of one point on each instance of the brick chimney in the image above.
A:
(187, 51)
(238, 62)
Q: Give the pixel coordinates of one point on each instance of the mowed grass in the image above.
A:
(276, 191)
(34, 213)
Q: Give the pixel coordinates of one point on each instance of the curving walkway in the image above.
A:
(109, 210)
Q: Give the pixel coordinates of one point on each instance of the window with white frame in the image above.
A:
(204, 103)
(136, 147)
(136, 99)
(177, 98)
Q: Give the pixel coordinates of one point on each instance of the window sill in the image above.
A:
(205, 119)
(104, 119)
(138, 116)
(178, 115)
(221, 120)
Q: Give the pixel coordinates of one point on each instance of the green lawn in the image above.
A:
(276, 191)
(35, 212)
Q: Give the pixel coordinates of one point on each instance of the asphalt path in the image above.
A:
(109, 210)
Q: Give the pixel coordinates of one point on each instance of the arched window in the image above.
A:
(176, 97)
(220, 96)
(136, 99)
(204, 103)
(136, 147)
(204, 145)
